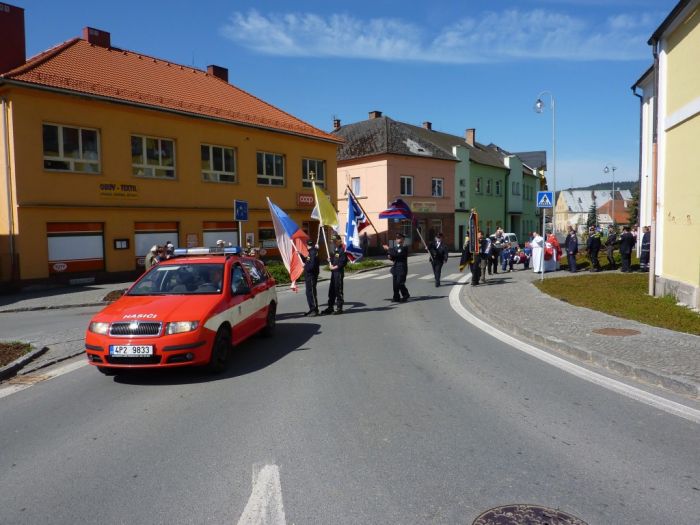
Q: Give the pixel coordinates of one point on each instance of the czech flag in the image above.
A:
(357, 221)
(291, 241)
(398, 209)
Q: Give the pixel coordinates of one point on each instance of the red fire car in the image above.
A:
(188, 310)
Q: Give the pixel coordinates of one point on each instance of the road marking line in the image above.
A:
(427, 277)
(383, 276)
(363, 275)
(265, 505)
(453, 276)
(24, 382)
(618, 387)
(411, 275)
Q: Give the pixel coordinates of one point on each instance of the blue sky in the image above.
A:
(456, 63)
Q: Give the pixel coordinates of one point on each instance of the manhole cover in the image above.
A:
(620, 332)
(526, 515)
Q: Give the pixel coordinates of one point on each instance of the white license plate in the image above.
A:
(131, 350)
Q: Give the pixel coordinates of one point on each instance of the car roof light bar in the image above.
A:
(214, 250)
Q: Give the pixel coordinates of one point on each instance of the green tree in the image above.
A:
(634, 207)
(592, 216)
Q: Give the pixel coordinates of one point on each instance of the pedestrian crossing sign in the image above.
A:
(545, 199)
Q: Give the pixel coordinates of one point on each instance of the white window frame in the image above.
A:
(439, 185)
(307, 167)
(70, 160)
(406, 180)
(212, 175)
(145, 168)
(269, 179)
(356, 186)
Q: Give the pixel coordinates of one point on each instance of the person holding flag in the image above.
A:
(399, 256)
(337, 263)
(311, 271)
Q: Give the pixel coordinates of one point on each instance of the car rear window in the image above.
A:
(181, 279)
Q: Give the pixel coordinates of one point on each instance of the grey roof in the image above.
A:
(579, 201)
(384, 135)
(535, 159)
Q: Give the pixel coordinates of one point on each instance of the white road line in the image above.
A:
(637, 394)
(363, 275)
(453, 276)
(265, 505)
(386, 276)
(38, 377)
(411, 275)
(427, 277)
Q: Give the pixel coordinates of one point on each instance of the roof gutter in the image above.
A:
(162, 109)
(654, 170)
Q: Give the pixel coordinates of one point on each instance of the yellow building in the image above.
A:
(671, 127)
(107, 152)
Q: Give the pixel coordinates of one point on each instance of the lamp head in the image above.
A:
(539, 105)
(606, 170)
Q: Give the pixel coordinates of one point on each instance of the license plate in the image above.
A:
(131, 350)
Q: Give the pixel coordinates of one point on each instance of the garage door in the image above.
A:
(146, 234)
(75, 247)
(213, 231)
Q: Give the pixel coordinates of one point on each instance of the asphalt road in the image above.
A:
(390, 413)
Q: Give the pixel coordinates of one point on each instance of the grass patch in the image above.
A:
(584, 263)
(363, 264)
(9, 351)
(623, 295)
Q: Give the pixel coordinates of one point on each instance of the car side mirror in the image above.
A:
(241, 289)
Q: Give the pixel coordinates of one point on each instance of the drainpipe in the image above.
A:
(654, 172)
(8, 180)
(639, 182)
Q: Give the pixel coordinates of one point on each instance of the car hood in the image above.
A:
(159, 308)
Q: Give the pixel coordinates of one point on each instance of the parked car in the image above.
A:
(186, 311)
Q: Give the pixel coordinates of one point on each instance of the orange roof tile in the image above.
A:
(114, 73)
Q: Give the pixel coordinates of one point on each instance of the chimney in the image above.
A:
(470, 136)
(12, 50)
(375, 114)
(428, 125)
(96, 37)
(336, 123)
(218, 72)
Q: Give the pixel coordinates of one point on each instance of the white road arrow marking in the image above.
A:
(265, 505)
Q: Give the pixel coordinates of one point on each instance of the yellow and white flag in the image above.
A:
(324, 212)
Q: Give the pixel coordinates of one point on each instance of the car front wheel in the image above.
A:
(270, 323)
(220, 351)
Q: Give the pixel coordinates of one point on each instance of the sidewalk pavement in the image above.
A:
(511, 303)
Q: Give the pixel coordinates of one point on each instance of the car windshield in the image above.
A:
(181, 279)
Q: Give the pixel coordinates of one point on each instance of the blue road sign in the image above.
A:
(240, 210)
(545, 199)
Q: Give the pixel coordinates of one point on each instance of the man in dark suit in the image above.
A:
(438, 256)
(571, 244)
(311, 271)
(399, 256)
(626, 246)
(337, 264)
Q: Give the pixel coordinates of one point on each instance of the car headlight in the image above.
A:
(178, 327)
(99, 328)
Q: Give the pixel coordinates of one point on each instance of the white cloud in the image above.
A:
(497, 36)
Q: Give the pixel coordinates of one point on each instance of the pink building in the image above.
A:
(382, 160)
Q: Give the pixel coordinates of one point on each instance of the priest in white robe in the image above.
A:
(537, 245)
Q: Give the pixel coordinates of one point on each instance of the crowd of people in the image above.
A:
(158, 253)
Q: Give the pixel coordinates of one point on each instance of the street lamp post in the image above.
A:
(539, 108)
(607, 170)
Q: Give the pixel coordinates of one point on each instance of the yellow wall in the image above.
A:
(682, 204)
(60, 196)
(683, 59)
